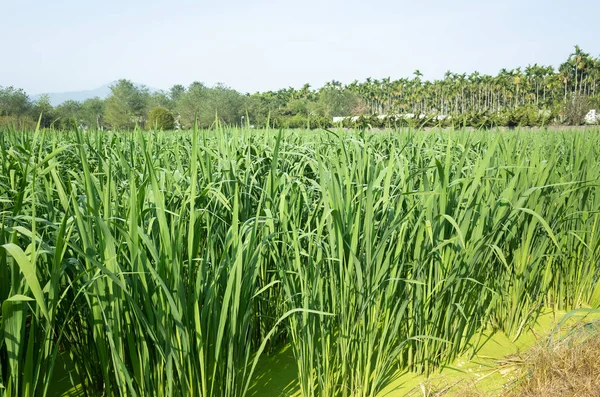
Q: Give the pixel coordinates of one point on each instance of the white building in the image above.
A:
(405, 116)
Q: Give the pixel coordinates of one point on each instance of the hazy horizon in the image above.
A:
(271, 45)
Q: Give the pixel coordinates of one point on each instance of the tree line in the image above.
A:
(534, 95)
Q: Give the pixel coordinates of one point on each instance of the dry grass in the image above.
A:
(441, 389)
(569, 367)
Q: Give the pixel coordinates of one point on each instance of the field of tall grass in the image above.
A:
(169, 264)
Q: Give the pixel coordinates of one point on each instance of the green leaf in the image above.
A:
(29, 272)
(19, 298)
(544, 224)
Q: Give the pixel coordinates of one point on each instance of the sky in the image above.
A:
(69, 45)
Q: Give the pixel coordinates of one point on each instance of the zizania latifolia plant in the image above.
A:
(168, 263)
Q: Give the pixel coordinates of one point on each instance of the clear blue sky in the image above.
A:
(73, 45)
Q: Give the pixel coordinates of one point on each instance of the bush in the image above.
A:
(297, 121)
(576, 110)
(161, 119)
(321, 122)
(522, 116)
(481, 120)
(19, 123)
(66, 124)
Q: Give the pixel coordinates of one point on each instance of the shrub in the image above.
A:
(19, 123)
(161, 119)
(297, 121)
(576, 110)
(522, 116)
(66, 124)
(321, 122)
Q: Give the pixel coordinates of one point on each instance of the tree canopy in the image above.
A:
(521, 96)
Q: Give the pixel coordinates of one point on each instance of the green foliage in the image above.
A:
(43, 110)
(576, 109)
(204, 105)
(162, 99)
(523, 116)
(166, 263)
(13, 102)
(161, 119)
(126, 106)
(320, 122)
(533, 96)
(297, 121)
(176, 92)
(336, 102)
(19, 123)
(91, 113)
(66, 124)
(67, 116)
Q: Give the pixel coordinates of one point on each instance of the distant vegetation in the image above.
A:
(161, 119)
(536, 95)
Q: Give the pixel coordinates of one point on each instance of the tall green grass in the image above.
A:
(168, 263)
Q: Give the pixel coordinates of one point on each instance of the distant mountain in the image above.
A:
(56, 98)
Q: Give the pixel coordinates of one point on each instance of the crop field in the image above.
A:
(172, 263)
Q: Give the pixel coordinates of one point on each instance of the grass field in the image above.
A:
(174, 263)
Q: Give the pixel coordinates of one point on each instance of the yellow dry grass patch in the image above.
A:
(562, 361)
(563, 368)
